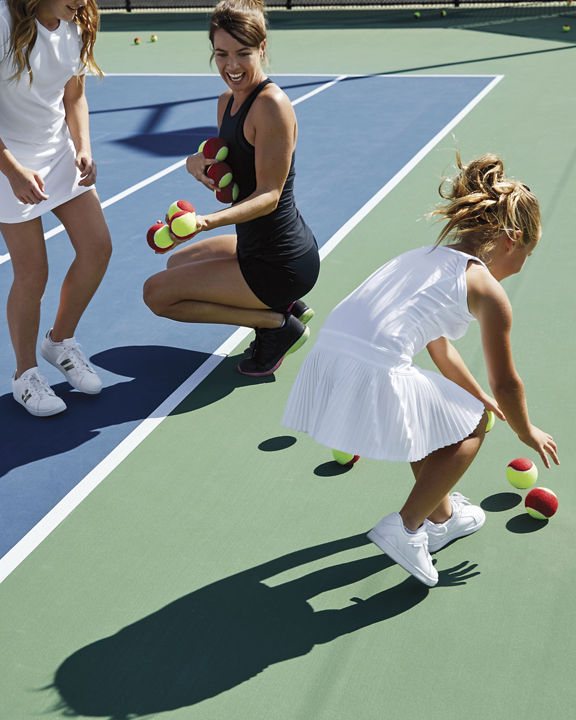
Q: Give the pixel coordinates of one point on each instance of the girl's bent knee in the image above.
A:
(151, 295)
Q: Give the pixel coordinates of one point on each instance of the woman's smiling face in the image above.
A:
(240, 66)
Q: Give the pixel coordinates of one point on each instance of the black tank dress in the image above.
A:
(277, 253)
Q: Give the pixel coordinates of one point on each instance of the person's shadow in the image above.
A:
(153, 372)
(219, 636)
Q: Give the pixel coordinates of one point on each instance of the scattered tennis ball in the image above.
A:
(565, 28)
(137, 41)
(541, 503)
(214, 149)
(158, 237)
(229, 194)
(417, 15)
(491, 420)
(443, 13)
(221, 173)
(522, 473)
(153, 38)
(344, 458)
(183, 225)
(180, 206)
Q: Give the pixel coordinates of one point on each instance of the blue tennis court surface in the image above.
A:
(356, 134)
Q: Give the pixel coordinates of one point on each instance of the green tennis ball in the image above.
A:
(565, 28)
(153, 38)
(344, 458)
(417, 15)
(522, 473)
(183, 225)
(137, 41)
(491, 420)
(443, 13)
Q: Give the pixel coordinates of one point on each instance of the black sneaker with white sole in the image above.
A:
(272, 345)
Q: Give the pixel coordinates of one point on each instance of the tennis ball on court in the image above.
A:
(566, 28)
(221, 173)
(417, 15)
(214, 149)
(344, 458)
(158, 237)
(137, 41)
(541, 503)
(522, 473)
(183, 225)
(491, 420)
(228, 194)
(153, 38)
(443, 13)
(180, 206)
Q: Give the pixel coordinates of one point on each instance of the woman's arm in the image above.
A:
(76, 108)
(490, 305)
(272, 131)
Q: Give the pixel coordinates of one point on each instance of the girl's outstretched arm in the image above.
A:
(489, 303)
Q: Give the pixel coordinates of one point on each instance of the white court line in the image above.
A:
(149, 180)
(51, 520)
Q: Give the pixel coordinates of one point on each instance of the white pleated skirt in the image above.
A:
(60, 176)
(352, 396)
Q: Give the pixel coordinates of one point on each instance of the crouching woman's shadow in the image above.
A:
(221, 635)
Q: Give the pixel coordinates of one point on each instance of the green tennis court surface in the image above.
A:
(221, 570)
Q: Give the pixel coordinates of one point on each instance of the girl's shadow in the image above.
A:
(225, 633)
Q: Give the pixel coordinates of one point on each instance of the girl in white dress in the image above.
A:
(46, 46)
(358, 390)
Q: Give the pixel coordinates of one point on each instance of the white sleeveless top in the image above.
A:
(358, 390)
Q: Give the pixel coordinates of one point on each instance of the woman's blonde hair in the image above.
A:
(244, 20)
(483, 204)
(24, 33)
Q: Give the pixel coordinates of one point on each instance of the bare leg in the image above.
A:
(25, 243)
(436, 475)
(86, 227)
(203, 283)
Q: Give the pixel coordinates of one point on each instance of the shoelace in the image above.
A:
(39, 384)
(265, 346)
(77, 357)
(458, 497)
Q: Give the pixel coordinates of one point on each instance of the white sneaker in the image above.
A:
(68, 357)
(410, 550)
(466, 519)
(32, 391)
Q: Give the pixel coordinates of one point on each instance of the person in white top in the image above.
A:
(359, 392)
(46, 47)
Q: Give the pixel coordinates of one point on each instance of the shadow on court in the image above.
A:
(154, 372)
(219, 636)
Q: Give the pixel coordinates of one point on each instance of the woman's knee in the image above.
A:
(153, 294)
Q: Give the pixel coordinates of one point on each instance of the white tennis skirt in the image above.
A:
(60, 176)
(352, 396)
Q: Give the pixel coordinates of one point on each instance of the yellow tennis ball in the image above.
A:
(158, 237)
(522, 473)
(344, 458)
(183, 225)
(491, 420)
(180, 206)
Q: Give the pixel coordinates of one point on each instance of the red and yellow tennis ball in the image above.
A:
(491, 420)
(153, 38)
(344, 458)
(228, 194)
(158, 237)
(522, 473)
(541, 503)
(137, 41)
(214, 149)
(183, 225)
(220, 173)
(180, 206)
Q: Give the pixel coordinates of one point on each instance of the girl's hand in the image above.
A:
(27, 186)
(200, 225)
(196, 166)
(87, 168)
(491, 404)
(543, 444)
